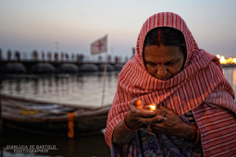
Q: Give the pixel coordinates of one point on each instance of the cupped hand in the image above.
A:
(141, 114)
(172, 125)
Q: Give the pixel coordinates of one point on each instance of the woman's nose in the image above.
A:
(161, 71)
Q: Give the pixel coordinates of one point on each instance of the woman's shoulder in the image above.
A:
(130, 65)
(204, 59)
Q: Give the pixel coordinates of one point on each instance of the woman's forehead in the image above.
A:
(154, 51)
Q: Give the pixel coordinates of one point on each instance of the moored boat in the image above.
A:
(52, 118)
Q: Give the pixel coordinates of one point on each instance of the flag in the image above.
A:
(99, 46)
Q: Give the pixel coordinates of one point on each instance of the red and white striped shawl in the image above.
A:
(200, 87)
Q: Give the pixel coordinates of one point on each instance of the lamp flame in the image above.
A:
(138, 102)
(152, 107)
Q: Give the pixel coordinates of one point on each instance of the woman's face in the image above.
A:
(163, 62)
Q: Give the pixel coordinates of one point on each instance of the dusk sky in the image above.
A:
(26, 25)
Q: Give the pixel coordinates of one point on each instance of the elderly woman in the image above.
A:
(195, 109)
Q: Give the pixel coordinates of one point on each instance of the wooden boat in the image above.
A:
(51, 118)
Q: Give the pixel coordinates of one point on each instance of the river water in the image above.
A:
(83, 89)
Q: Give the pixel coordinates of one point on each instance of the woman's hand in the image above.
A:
(140, 115)
(172, 125)
(136, 117)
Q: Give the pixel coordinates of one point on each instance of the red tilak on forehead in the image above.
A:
(159, 37)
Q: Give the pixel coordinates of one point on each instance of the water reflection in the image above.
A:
(87, 146)
(230, 75)
(83, 89)
(35, 86)
(10, 83)
(234, 79)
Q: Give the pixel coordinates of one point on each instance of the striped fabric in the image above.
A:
(200, 87)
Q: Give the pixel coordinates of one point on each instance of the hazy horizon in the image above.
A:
(28, 25)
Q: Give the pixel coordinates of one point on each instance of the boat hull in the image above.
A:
(50, 118)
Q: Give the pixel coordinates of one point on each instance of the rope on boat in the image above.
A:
(71, 125)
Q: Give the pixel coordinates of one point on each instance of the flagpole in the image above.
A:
(104, 79)
(98, 47)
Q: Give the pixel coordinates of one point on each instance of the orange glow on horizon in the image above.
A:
(223, 60)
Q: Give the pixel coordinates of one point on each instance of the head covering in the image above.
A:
(200, 87)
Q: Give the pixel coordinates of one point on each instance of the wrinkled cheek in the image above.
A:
(173, 72)
(153, 72)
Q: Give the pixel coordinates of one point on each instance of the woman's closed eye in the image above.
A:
(152, 64)
(170, 63)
